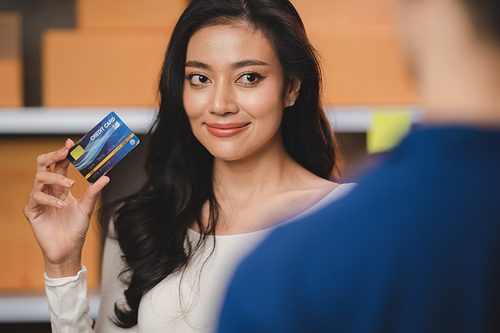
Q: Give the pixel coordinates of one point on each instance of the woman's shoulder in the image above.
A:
(329, 193)
(333, 192)
(325, 190)
(338, 190)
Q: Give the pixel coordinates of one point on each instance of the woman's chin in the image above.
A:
(229, 157)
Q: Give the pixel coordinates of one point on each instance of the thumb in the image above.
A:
(87, 203)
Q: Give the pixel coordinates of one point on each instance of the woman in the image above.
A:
(240, 144)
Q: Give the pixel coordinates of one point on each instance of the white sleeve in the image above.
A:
(69, 303)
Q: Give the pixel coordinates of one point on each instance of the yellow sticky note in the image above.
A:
(389, 128)
(77, 152)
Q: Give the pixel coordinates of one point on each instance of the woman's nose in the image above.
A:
(224, 99)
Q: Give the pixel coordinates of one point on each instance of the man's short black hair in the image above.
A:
(485, 16)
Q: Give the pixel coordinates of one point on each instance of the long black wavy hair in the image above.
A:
(151, 225)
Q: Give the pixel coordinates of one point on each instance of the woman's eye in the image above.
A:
(198, 79)
(249, 78)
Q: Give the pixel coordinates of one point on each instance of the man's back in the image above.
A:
(414, 248)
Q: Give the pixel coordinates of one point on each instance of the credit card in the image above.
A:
(102, 147)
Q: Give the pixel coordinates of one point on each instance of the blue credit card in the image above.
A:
(102, 147)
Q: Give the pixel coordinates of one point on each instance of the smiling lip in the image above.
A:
(226, 130)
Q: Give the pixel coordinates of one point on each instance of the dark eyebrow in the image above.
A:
(236, 65)
(246, 63)
(198, 64)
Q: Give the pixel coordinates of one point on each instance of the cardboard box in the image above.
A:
(11, 82)
(357, 41)
(363, 68)
(369, 15)
(11, 73)
(128, 13)
(93, 68)
(20, 256)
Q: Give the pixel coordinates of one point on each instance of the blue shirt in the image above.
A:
(415, 247)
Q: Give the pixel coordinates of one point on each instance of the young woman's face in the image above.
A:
(234, 91)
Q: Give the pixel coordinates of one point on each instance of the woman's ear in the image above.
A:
(293, 91)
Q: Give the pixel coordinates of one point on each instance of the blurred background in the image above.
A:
(65, 64)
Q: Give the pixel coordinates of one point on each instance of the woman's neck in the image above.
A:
(267, 171)
(262, 189)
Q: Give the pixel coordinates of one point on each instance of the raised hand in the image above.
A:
(59, 220)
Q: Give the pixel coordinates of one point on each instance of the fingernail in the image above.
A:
(62, 150)
(70, 182)
(61, 204)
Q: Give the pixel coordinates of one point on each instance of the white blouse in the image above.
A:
(186, 301)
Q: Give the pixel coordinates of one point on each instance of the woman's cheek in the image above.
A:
(265, 94)
(263, 102)
(193, 103)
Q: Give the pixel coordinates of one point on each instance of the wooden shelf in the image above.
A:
(69, 120)
(39, 120)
